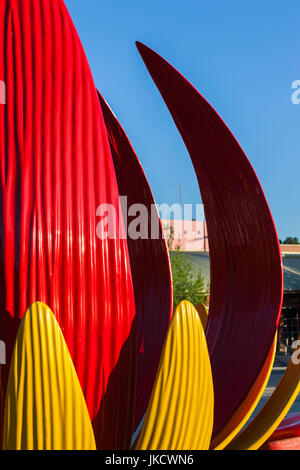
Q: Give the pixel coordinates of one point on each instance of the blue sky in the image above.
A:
(241, 56)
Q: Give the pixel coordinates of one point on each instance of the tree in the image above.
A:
(291, 241)
(171, 238)
(187, 285)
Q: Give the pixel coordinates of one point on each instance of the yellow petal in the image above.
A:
(180, 411)
(45, 408)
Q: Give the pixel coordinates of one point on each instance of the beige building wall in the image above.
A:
(191, 235)
(188, 235)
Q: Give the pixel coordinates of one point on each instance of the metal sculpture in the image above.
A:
(149, 260)
(56, 168)
(181, 407)
(286, 436)
(95, 340)
(273, 412)
(45, 407)
(245, 410)
(245, 260)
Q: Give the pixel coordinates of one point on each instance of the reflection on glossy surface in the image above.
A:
(180, 411)
(245, 260)
(150, 264)
(45, 407)
(56, 168)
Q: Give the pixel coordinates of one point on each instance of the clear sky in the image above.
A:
(241, 56)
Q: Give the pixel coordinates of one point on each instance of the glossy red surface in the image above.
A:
(56, 168)
(150, 264)
(283, 444)
(246, 270)
(289, 428)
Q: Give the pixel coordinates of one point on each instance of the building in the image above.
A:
(191, 238)
(188, 235)
(289, 328)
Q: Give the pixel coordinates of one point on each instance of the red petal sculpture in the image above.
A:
(55, 170)
(246, 271)
(150, 264)
(288, 429)
(292, 443)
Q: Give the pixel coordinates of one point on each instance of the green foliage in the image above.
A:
(187, 284)
(171, 239)
(291, 241)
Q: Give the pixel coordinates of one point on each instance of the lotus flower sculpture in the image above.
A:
(92, 344)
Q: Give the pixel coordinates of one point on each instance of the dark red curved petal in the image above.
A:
(55, 170)
(150, 264)
(246, 270)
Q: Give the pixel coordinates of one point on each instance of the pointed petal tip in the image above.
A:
(142, 48)
(139, 46)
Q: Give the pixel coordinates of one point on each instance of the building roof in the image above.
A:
(291, 268)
